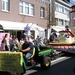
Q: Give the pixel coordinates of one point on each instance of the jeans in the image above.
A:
(27, 56)
(11, 47)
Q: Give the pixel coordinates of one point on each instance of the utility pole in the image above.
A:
(49, 20)
(50, 15)
(53, 13)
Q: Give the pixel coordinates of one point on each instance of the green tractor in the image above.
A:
(15, 61)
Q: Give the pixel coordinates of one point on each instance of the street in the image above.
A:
(61, 66)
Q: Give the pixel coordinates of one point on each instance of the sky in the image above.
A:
(72, 2)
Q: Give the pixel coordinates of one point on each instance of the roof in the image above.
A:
(67, 31)
(58, 28)
(64, 3)
(73, 6)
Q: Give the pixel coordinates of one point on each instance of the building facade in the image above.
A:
(15, 14)
(62, 12)
(67, 1)
(23, 11)
(73, 19)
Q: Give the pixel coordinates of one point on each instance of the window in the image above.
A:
(42, 12)
(26, 8)
(73, 9)
(60, 22)
(66, 23)
(66, 11)
(21, 7)
(31, 9)
(61, 9)
(67, 1)
(5, 5)
(56, 19)
(56, 7)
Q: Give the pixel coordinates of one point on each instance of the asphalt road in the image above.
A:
(61, 66)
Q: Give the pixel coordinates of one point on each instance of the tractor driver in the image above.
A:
(27, 47)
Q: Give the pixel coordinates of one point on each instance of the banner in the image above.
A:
(27, 29)
(11, 62)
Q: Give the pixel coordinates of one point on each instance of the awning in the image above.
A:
(1, 30)
(58, 28)
(36, 27)
(31, 26)
(8, 25)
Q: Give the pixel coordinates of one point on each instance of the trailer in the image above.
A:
(66, 42)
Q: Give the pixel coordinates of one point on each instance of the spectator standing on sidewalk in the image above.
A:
(38, 40)
(16, 43)
(45, 41)
(5, 41)
(11, 42)
(22, 41)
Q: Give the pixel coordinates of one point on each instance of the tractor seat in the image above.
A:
(32, 54)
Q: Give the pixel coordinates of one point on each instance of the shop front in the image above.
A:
(18, 28)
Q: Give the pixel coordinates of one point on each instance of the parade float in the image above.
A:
(66, 39)
(65, 43)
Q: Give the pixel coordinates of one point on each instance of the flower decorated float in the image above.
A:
(65, 42)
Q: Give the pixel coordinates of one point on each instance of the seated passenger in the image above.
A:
(27, 48)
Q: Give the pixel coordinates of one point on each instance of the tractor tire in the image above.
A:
(45, 63)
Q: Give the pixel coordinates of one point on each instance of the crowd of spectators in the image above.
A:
(13, 44)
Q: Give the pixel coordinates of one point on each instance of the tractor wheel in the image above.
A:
(45, 63)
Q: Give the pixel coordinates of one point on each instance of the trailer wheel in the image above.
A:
(45, 63)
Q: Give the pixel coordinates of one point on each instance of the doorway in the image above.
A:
(19, 35)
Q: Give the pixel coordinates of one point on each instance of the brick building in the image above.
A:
(72, 26)
(17, 13)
